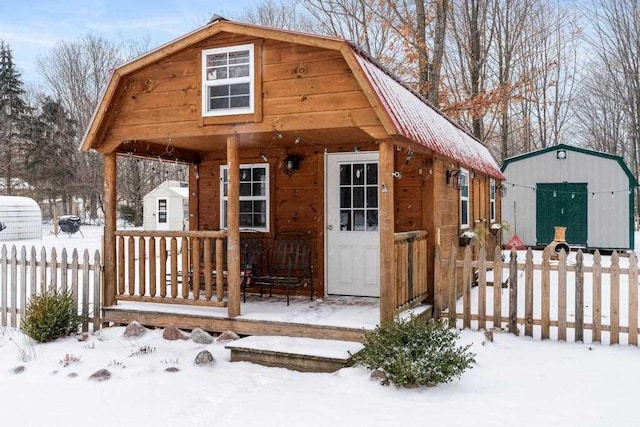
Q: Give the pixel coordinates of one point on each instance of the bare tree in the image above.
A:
(285, 14)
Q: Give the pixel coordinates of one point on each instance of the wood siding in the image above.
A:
(303, 88)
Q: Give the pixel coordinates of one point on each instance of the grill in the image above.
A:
(69, 224)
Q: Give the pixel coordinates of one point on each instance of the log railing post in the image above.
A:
(110, 186)
(233, 227)
(387, 227)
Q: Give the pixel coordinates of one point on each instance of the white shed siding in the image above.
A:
(607, 214)
(22, 217)
(176, 197)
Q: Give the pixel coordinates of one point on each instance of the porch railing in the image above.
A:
(411, 269)
(179, 267)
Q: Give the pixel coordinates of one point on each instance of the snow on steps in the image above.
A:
(296, 353)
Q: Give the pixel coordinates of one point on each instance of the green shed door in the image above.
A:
(565, 205)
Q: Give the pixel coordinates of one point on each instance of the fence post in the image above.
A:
(562, 296)
(466, 288)
(437, 286)
(546, 279)
(633, 299)
(614, 315)
(497, 289)
(597, 297)
(513, 292)
(579, 315)
(452, 287)
(482, 289)
(528, 294)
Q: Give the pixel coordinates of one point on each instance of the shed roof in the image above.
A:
(402, 111)
(632, 179)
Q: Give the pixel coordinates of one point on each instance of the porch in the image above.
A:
(156, 286)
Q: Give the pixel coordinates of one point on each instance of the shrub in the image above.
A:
(414, 353)
(50, 315)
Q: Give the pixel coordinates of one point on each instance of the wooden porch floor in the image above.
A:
(332, 317)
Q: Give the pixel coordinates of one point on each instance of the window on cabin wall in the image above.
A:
(228, 80)
(254, 196)
(464, 199)
(492, 200)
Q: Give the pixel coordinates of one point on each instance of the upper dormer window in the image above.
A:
(228, 81)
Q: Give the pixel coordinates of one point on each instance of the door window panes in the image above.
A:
(359, 197)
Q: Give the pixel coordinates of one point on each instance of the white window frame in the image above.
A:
(206, 112)
(492, 199)
(465, 222)
(266, 197)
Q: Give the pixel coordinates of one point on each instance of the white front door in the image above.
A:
(162, 215)
(353, 243)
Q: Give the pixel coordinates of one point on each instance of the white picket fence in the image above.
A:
(26, 274)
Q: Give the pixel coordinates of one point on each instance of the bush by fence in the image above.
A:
(24, 275)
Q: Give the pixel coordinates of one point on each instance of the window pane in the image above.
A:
(358, 220)
(245, 174)
(345, 197)
(225, 175)
(345, 174)
(218, 103)
(259, 189)
(240, 57)
(358, 197)
(219, 91)
(225, 206)
(245, 206)
(162, 204)
(239, 71)
(225, 189)
(259, 220)
(246, 220)
(240, 101)
(216, 60)
(464, 191)
(372, 174)
(218, 73)
(464, 213)
(245, 189)
(372, 197)
(358, 174)
(345, 220)
(372, 219)
(260, 206)
(240, 89)
(259, 174)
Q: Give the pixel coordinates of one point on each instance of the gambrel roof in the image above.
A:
(402, 112)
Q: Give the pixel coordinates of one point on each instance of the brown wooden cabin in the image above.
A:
(230, 97)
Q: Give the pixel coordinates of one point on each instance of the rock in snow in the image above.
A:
(205, 358)
(134, 329)
(227, 336)
(172, 333)
(101, 375)
(201, 337)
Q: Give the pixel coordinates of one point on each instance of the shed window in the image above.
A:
(254, 196)
(162, 211)
(492, 200)
(464, 199)
(228, 80)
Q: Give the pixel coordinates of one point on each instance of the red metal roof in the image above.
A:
(418, 121)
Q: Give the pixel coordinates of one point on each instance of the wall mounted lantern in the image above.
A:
(456, 178)
(291, 164)
(561, 154)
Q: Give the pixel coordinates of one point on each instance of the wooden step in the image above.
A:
(296, 353)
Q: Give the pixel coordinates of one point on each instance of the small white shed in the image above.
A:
(589, 192)
(166, 207)
(20, 217)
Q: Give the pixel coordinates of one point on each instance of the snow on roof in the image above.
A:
(419, 122)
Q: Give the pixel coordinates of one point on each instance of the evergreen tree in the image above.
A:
(14, 122)
(52, 156)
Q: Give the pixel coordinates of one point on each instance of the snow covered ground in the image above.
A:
(517, 381)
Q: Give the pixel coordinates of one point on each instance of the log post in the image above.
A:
(110, 186)
(387, 222)
(233, 227)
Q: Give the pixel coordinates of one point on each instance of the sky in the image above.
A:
(32, 28)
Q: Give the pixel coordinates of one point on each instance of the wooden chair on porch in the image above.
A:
(288, 264)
